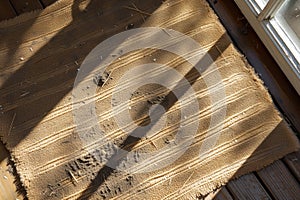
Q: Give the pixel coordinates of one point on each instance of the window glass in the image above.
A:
(262, 3)
(290, 11)
(257, 5)
(288, 17)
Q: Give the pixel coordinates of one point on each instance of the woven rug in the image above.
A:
(176, 119)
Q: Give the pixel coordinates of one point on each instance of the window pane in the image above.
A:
(257, 5)
(262, 3)
(290, 12)
(288, 18)
(286, 22)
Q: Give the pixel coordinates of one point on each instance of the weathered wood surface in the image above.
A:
(293, 162)
(48, 2)
(6, 10)
(247, 187)
(221, 194)
(279, 181)
(26, 6)
(7, 185)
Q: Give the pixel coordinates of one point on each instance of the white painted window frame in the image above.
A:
(279, 44)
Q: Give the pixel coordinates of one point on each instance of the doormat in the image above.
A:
(132, 100)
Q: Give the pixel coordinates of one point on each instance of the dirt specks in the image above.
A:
(100, 80)
(129, 179)
(156, 100)
(167, 141)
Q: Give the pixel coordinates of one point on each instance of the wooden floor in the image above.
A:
(12, 8)
(281, 180)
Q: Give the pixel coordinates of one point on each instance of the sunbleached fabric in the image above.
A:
(40, 55)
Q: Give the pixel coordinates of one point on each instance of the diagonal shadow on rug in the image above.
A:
(155, 106)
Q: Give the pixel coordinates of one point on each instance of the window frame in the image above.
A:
(274, 38)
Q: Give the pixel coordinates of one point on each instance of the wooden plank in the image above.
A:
(293, 161)
(220, 194)
(223, 195)
(48, 2)
(279, 181)
(7, 186)
(26, 6)
(247, 187)
(6, 10)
